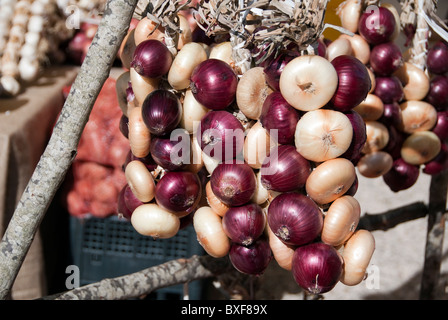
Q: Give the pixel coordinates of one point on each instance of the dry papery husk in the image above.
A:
(266, 25)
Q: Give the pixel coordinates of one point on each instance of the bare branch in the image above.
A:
(61, 150)
(144, 282)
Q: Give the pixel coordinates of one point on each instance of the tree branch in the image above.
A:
(143, 282)
(434, 237)
(391, 218)
(61, 150)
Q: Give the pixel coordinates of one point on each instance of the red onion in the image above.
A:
(396, 139)
(402, 175)
(214, 83)
(386, 58)
(391, 115)
(179, 192)
(321, 48)
(244, 224)
(389, 89)
(295, 218)
(439, 163)
(354, 188)
(441, 127)
(130, 96)
(438, 92)
(253, 259)
(168, 153)
(152, 59)
(353, 83)
(317, 267)
(359, 139)
(124, 125)
(127, 202)
(161, 112)
(233, 183)
(284, 169)
(220, 135)
(274, 68)
(377, 26)
(148, 161)
(437, 58)
(278, 114)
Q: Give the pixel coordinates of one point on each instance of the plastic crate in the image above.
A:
(110, 247)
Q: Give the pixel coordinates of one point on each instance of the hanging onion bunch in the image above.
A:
(252, 143)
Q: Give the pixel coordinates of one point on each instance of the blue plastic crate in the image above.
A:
(110, 247)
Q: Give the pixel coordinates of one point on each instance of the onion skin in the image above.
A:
(353, 83)
(139, 135)
(179, 192)
(285, 170)
(354, 151)
(317, 267)
(257, 145)
(357, 254)
(417, 116)
(210, 233)
(389, 89)
(244, 224)
(253, 259)
(377, 137)
(437, 58)
(385, 59)
(233, 183)
(341, 220)
(441, 126)
(437, 93)
(140, 181)
(439, 163)
(152, 59)
(414, 80)
(384, 21)
(420, 147)
(391, 116)
(294, 218)
(214, 132)
(161, 150)
(330, 180)
(161, 112)
(375, 164)
(282, 252)
(214, 84)
(217, 205)
(401, 176)
(323, 134)
(151, 220)
(278, 114)
(360, 47)
(371, 108)
(302, 85)
(274, 68)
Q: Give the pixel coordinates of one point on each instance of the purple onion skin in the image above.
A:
(391, 115)
(401, 176)
(161, 112)
(385, 59)
(384, 21)
(124, 126)
(353, 83)
(253, 259)
(152, 59)
(162, 150)
(353, 189)
(222, 132)
(354, 151)
(214, 83)
(244, 224)
(127, 202)
(275, 67)
(294, 218)
(437, 58)
(389, 89)
(278, 114)
(439, 163)
(316, 267)
(438, 92)
(396, 139)
(121, 205)
(233, 183)
(284, 169)
(179, 192)
(441, 126)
